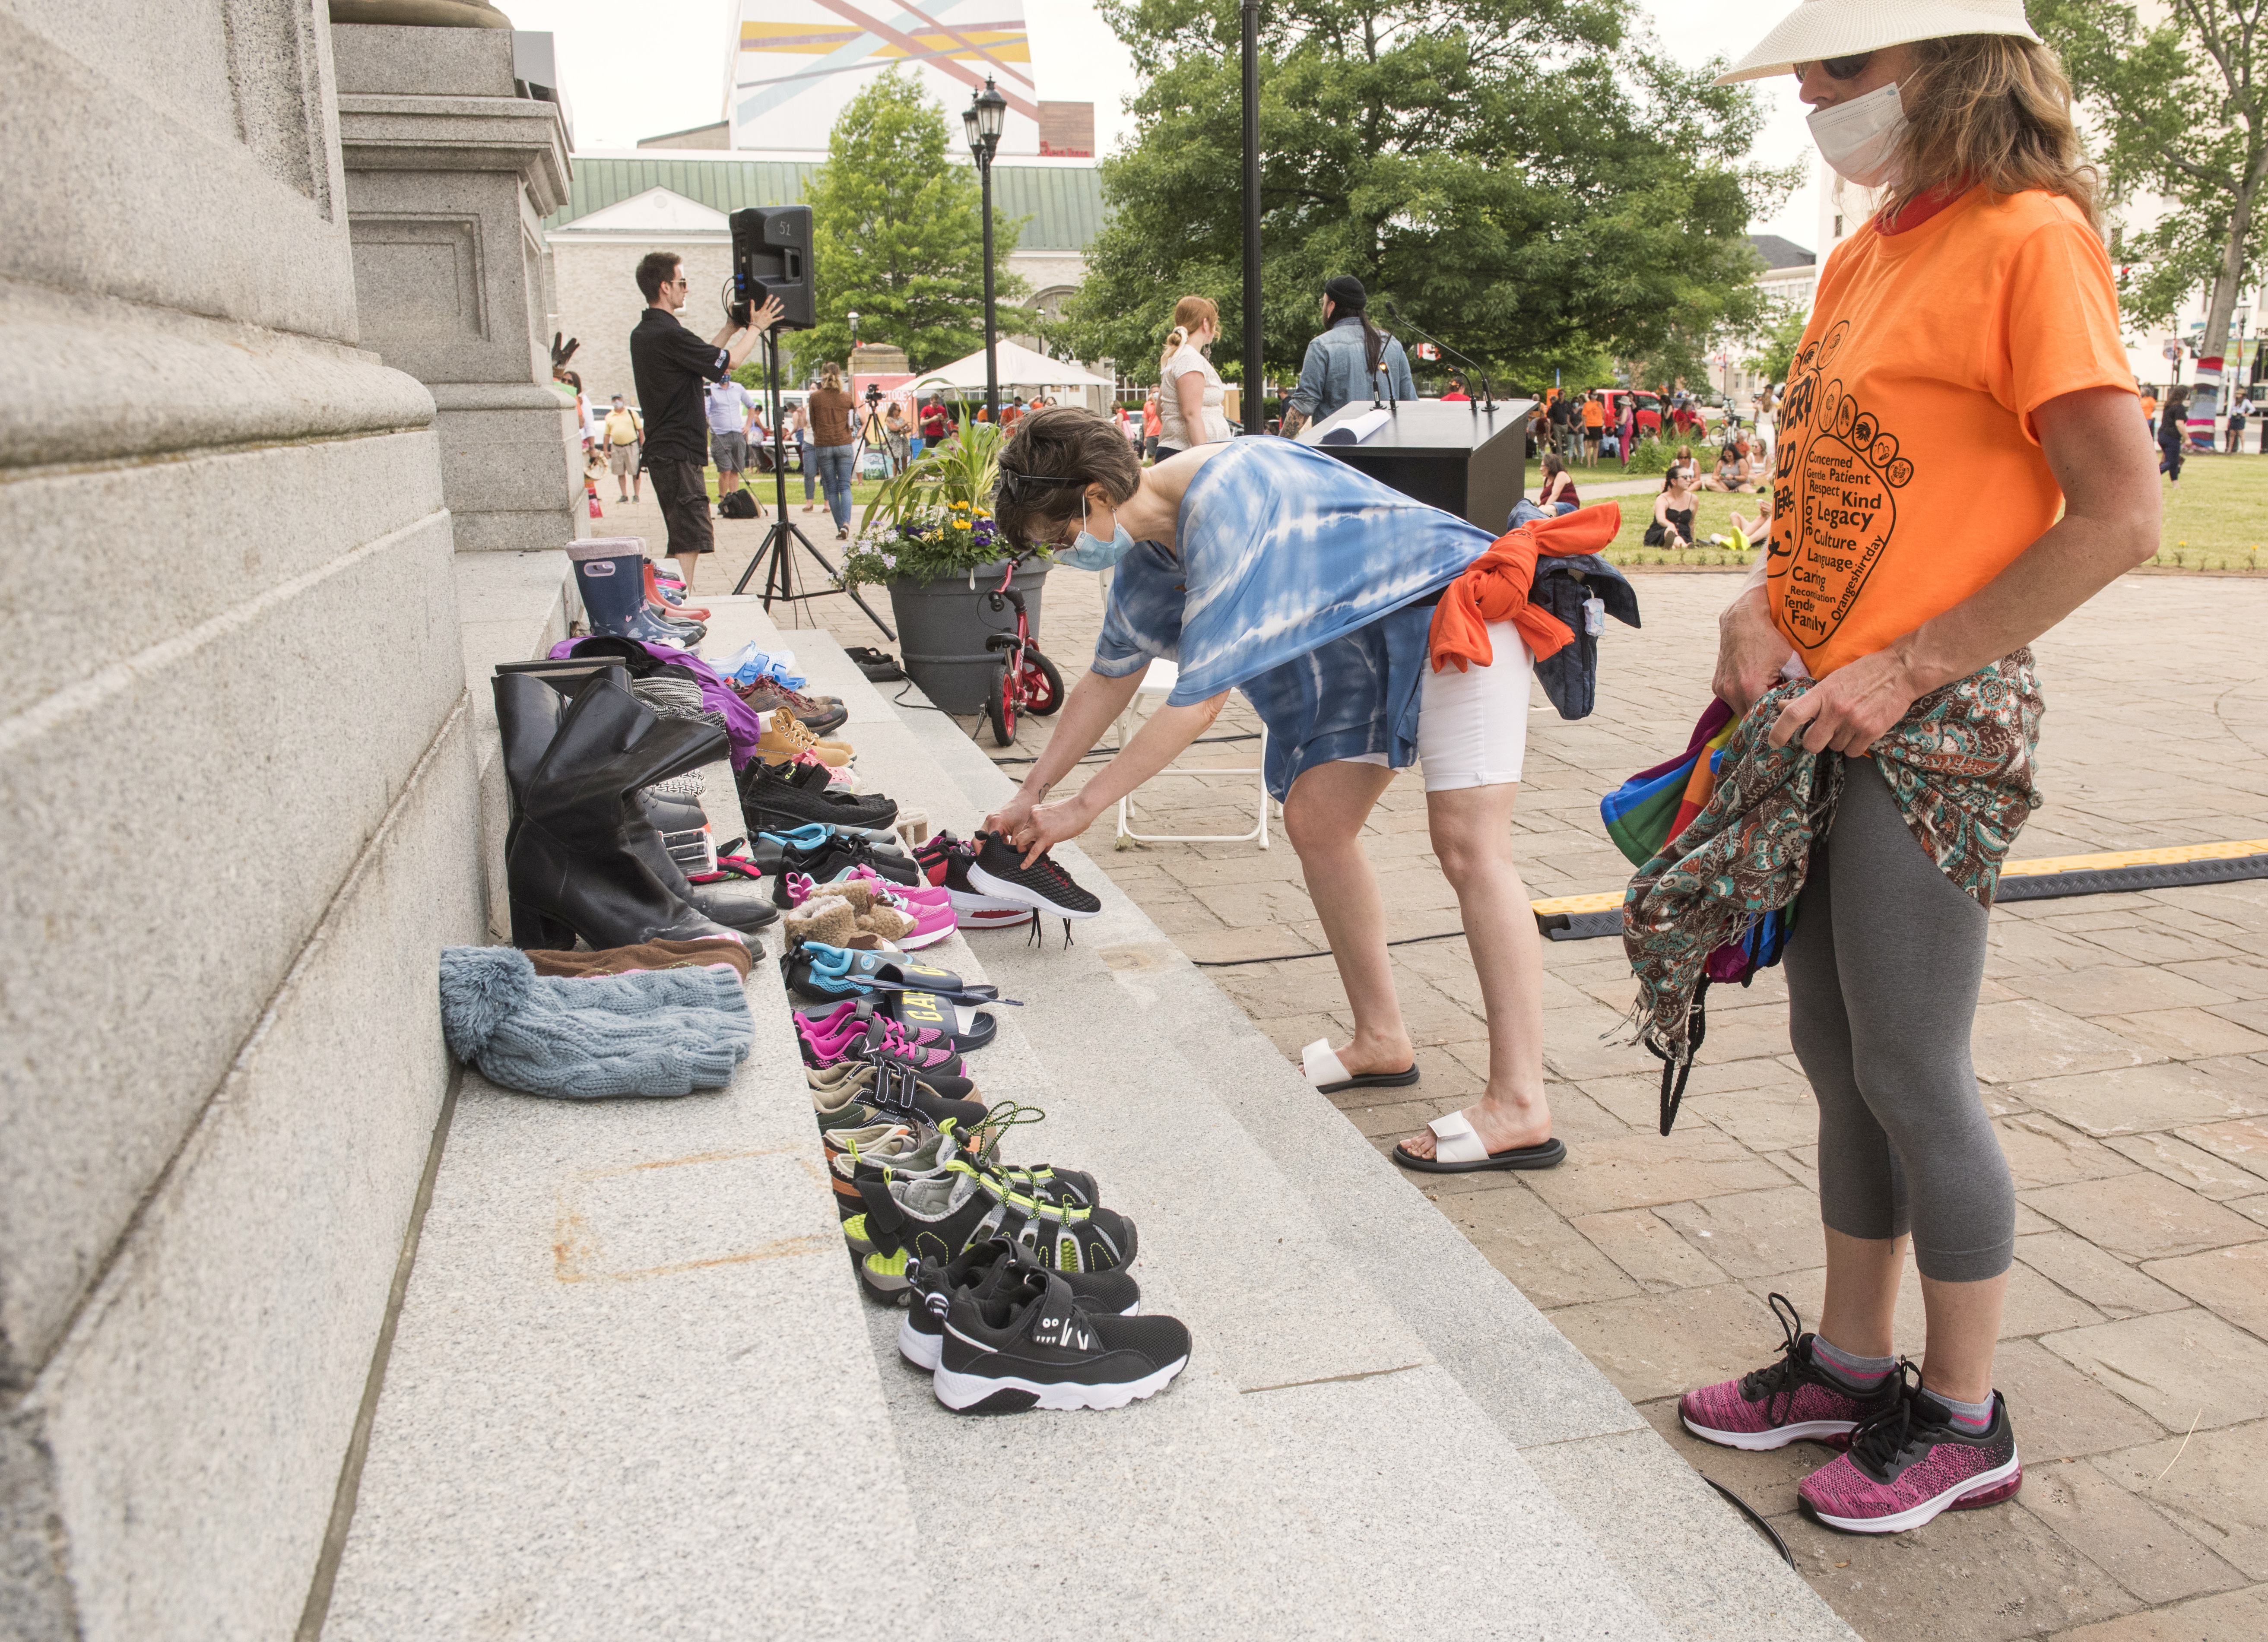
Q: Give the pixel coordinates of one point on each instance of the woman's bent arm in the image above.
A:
(1093, 702)
(2110, 525)
(1165, 736)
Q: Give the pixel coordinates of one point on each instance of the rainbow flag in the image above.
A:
(1644, 813)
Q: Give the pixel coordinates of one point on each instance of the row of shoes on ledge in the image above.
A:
(1014, 1276)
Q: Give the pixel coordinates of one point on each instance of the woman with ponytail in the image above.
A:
(1191, 392)
(1342, 364)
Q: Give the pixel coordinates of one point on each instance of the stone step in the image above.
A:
(1342, 1326)
(636, 1387)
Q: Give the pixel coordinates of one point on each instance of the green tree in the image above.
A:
(1777, 343)
(897, 232)
(2181, 112)
(1527, 178)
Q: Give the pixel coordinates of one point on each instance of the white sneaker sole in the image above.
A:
(1930, 1508)
(921, 1350)
(1778, 1437)
(987, 911)
(1010, 893)
(961, 1391)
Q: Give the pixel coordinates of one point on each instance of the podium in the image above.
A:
(1459, 458)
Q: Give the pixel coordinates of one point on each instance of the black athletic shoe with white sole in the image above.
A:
(921, 1331)
(999, 869)
(1026, 1341)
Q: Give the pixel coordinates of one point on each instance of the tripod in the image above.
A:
(777, 553)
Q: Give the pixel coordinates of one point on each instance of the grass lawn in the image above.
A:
(2215, 520)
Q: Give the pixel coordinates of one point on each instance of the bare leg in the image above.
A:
(1965, 1326)
(1472, 837)
(1862, 1292)
(1324, 816)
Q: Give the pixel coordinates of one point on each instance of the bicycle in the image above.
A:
(1025, 681)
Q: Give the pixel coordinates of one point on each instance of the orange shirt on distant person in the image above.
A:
(1594, 414)
(1909, 473)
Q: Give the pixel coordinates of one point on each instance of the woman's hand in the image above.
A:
(1016, 813)
(1048, 824)
(1750, 651)
(1845, 711)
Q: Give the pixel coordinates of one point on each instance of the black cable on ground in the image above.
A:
(1112, 752)
(2094, 880)
(1286, 957)
(1748, 1510)
(2102, 880)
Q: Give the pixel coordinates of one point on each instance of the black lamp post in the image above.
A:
(982, 120)
(1255, 409)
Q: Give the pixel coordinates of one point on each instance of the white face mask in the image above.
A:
(1859, 138)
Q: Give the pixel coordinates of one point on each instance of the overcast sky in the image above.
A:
(659, 65)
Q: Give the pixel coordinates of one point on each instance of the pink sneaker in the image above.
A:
(1910, 1462)
(930, 908)
(845, 1020)
(879, 1038)
(1792, 1401)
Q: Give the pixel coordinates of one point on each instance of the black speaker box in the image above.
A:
(771, 257)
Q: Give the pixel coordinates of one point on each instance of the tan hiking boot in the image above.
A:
(785, 738)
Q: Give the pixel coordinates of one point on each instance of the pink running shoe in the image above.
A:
(1910, 1462)
(880, 1039)
(931, 909)
(847, 1020)
(1792, 1401)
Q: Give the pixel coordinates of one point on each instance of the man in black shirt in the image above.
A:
(671, 364)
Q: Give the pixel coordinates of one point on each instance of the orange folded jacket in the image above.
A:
(1494, 587)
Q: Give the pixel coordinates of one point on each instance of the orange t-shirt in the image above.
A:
(1909, 474)
(1595, 414)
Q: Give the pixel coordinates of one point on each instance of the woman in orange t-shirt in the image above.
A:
(1964, 347)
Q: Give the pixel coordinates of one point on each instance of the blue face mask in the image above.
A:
(1087, 553)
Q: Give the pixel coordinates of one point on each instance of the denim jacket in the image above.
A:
(1333, 374)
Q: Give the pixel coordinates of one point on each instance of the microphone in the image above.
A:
(1393, 309)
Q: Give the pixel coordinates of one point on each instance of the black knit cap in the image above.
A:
(1347, 295)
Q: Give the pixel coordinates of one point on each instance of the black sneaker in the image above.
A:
(779, 797)
(1024, 1340)
(920, 1332)
(943, 860)
(834, 859)
(998, 870)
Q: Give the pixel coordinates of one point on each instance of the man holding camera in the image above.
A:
(671, 365)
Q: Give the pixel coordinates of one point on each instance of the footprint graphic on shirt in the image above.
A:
(1851, 472)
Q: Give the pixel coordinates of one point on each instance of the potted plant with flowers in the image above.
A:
(928, 537)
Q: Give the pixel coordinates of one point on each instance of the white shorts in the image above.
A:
(1472, 726)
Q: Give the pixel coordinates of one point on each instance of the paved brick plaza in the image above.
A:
(2123, 1042)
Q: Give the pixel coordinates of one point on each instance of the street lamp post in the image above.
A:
(1255, 409)
(982, 120)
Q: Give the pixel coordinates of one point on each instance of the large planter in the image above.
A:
(942, 627)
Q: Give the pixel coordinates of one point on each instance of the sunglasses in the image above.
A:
(1839, 67)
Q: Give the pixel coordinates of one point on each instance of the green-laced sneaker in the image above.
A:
(937, 1217)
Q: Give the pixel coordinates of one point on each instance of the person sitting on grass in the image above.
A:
(1756, 530)
(1673, 513)
(1557, 496)
(1731, 475)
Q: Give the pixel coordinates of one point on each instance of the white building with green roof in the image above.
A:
(623, 205)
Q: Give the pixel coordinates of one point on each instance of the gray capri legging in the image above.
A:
(1883, 976)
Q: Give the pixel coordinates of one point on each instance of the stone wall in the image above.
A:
(237, 811)
(599, 300)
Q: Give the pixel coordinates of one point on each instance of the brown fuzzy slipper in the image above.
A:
(828, 920)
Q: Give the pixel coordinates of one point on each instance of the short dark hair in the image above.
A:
(1046, 467)
(655, 269)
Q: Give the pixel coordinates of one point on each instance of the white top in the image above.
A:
(1172, 430)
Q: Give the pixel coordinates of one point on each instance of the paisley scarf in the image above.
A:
(1960, 765)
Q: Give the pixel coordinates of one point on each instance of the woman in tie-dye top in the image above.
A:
(1273, 569)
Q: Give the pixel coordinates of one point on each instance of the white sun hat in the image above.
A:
(1844, 28)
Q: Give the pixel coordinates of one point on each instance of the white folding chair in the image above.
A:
(1156, 685)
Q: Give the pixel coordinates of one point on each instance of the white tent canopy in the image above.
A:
(1018, 367)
